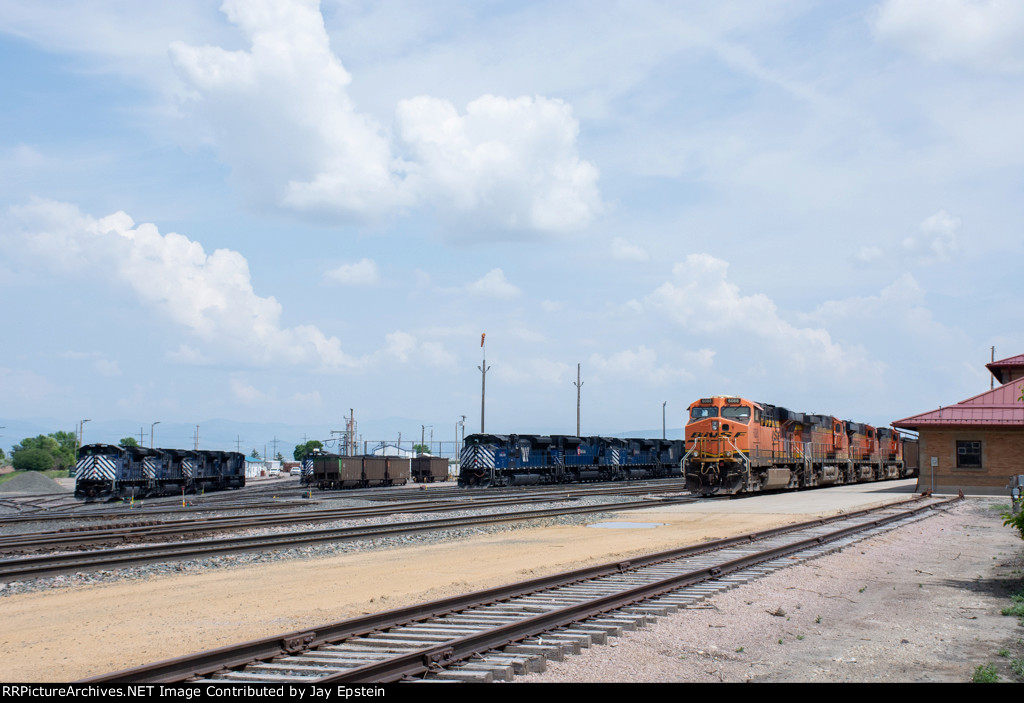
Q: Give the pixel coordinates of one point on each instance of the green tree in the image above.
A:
(68, 443)
(255, 454)
(33, 460)
(420, 448)
(304, 450)
(128, 442)
(59, 446)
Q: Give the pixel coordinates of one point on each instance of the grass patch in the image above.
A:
(985, 673)
(1018, 668)
(1018, 605)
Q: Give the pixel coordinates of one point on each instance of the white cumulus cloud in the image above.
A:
(979, 33)
(512, 161)
(362, 273)
(281, 115)
(702, 300)
(494, 285)
(406, 347)
(209, 294)
(937, 241)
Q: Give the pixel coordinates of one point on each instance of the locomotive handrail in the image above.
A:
(745, 459)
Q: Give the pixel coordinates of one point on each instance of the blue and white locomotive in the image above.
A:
(106, 471)
(523, 460)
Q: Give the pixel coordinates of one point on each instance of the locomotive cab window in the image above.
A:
(968, 455)
(700, 413)
(739, 414)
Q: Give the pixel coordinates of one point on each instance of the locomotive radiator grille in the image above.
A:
(96, 468)
(477, 457)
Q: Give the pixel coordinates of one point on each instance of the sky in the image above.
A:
(275, 211)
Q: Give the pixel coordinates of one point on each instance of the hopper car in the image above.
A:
(428, 469)
(332, 471)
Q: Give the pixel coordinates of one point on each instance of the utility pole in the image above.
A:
(579, 385)
(663, 419)
(142, 436)
(151, 428)
(458, 451)
(197, 438)
(484, 368)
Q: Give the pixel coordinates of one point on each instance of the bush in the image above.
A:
(1016, 521)
(33, 460)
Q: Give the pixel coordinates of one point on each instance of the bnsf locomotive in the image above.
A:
(518, 460)
(106, 471)
(735, 445)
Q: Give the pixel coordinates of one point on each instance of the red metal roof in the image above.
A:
(999, 406)
(1003, 368)
(1008, 361)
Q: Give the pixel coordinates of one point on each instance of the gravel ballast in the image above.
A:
(918, 604)
(67, 629)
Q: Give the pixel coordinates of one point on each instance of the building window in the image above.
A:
(968, 455)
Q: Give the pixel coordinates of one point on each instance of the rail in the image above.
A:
(357, 639)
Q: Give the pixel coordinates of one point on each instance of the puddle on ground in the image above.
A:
(626, 525)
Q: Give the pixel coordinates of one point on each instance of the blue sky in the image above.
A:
(274, 211)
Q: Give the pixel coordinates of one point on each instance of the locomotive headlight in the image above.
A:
(714, 425)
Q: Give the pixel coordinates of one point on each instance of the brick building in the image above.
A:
(978, 444)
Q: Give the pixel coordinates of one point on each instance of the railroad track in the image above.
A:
(96, 535)
(264, 498)
(46, 565)
(496, 633)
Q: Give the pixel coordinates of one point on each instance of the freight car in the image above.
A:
(427, 469)
(517, 460)
(106, 471)
(734, 445)
(332, 471)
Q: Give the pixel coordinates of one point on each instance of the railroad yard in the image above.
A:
(918, 603)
